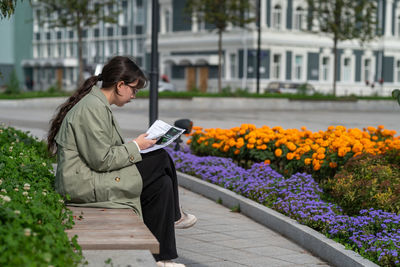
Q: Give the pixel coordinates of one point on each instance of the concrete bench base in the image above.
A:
(121, 258)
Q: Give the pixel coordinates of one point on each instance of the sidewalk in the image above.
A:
(225, 238)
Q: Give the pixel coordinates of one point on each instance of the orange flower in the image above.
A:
(333, 165)
(237, 151)
(267, 161)
(250, 146)
(278, 152)
(189, 141)
(307, 161)
(290, 156)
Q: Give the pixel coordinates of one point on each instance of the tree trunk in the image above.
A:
(80, 58)
(335, 41)
(219, 61)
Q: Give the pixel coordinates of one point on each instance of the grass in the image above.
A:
(191, 94)
(34, 94)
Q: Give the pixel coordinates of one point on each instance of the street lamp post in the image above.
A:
(153, 100)
(258, 44)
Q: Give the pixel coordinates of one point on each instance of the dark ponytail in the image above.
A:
(64, 108)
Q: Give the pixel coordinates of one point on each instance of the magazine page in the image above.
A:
(164, 133)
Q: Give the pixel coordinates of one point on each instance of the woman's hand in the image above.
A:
(143, 142)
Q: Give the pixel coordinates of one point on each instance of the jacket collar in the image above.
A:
(98, 93)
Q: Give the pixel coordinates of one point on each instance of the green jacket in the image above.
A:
(95, 168)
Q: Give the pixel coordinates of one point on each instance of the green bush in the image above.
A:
(33, 216)
(367, 181)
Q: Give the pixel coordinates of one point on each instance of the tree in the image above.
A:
(78, 14)
(7, 8)
(221, 13)
(343, 20)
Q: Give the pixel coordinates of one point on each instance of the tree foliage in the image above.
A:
(221, 14)
(343, 20)
(78, 15)
(7, 8)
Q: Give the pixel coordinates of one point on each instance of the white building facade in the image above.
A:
(188, 52)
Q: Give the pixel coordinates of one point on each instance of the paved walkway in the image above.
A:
(225, 238)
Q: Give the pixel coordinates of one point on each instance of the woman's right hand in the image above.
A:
(143, 142)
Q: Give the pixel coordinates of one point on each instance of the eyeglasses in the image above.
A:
(133, 88)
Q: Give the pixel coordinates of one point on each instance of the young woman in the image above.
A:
(97, 169)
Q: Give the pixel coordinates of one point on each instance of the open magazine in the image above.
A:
(164, 133)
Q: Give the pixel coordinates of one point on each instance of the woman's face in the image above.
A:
(127, 92)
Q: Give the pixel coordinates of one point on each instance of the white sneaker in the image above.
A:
(169, 264)
(187, 220)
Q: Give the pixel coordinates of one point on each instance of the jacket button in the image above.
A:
(117, 179)
(131, 158)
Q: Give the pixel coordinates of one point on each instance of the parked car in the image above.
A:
(290, 88)
(165, 86)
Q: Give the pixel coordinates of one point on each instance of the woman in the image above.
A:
(97, 169)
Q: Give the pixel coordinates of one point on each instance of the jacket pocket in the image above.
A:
(125, 183)
(80, 186)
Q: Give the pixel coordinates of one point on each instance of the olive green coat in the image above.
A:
(95, 168)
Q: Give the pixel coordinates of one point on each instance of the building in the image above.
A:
(188, 50)
(16, 44)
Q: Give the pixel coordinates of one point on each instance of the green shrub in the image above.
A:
(367, 181)
(33, 217)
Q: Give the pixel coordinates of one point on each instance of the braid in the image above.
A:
(64, 108)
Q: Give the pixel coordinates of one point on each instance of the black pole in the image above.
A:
(258, 44)
(153, 101)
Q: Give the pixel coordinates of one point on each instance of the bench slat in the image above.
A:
(109, 229)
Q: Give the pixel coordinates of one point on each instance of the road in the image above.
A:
(134, 121)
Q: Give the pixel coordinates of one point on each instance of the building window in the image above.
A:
(111, 47)
(125, 47)
(398, 71)
(276, 66)
(59, 50)
(233, 65)
(277, 17)
(167, 21)
(71, 34)
(48, 36)
(139, 3)
(110, 31)
(325, 68)
(84, 33)
(59, 35)
(398, 26)
(346, 69)
(96, 32)
(37, 36)
(140, 46)
(367, 69)
(124, 30)
(298, 67)
(71, 50)
(299, 19)
(48, 47)
(139, 29)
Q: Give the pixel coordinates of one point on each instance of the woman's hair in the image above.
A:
(119, 68)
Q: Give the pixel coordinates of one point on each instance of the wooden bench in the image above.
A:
(111, 229)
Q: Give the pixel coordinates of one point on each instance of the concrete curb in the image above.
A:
(318, 244)
(230, 103)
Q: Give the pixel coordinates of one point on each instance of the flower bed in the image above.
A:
(373, 234)
(291, 150)
(32, 215)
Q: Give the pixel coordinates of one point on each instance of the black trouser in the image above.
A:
(160, 200)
